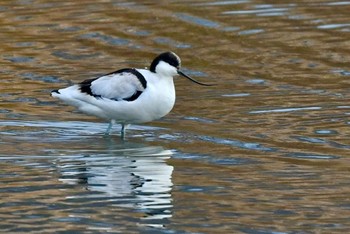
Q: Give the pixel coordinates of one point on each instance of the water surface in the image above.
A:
(264, 151)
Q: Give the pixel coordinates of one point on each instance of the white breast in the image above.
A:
(159, 97)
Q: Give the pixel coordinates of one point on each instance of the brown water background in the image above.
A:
(264, 151)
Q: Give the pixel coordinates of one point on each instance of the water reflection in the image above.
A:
(135, 177)
(85, 171)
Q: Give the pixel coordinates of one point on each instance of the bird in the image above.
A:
(129, 95)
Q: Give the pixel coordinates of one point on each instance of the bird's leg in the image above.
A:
(109, 127)
(122, 131)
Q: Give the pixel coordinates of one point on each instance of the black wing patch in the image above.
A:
(85, 86)
(134, 96)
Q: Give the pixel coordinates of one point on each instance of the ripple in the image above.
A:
(326, 132)
(201, 189)
(25, 44)
(139, 32)
(70, 56)
(230, 29)
(198, 119)
(219, 160)
(20, 59)
(24, 99)
(311, 156)
(250, 31)
(224, 3)
(5, 111)
(281, 110)
(197, 20)
(62, 130)
(70, 29)
(237, 143)
(250, 230)
(115, 41)
(310, 139)
(256, 81)
(168, 41)
(257, 11)
(341, 3)
(236, 95)
(342, 72)
(231, 161)
(333, 26)
(43, 78)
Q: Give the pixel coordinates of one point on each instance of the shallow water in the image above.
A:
(264, 151)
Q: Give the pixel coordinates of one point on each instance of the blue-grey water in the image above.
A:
(264, 151)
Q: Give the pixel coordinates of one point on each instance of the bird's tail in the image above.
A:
(55, 93)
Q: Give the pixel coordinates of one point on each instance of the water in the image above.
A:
(264, 151)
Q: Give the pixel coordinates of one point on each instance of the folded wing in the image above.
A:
(126, 84)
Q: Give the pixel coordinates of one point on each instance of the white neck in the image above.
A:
(165, 69)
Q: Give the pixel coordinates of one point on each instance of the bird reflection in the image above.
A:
(130, 174)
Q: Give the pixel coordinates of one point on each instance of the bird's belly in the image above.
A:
(146, 108)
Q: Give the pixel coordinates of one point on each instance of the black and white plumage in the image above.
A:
(125, 84)
(128, 95)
